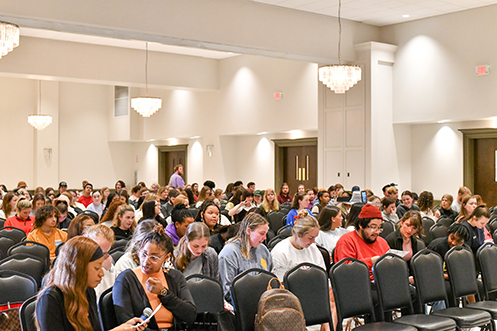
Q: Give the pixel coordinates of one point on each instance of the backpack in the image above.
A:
(279, 309)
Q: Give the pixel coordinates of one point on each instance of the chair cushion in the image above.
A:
(488, 306)
(427, 322)
(465, 317)
(384, 326)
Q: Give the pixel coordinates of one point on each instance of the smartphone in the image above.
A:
(364, 197)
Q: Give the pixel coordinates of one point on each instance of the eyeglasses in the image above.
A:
(376, 228)
(154, 258)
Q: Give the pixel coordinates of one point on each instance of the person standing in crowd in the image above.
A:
(284, 195)
(176, 179)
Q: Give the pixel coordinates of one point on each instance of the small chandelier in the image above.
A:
(39, 121)
(146, 106)
(9, 37)
(340, 77)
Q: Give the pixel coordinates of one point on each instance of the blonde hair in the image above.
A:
(196, 230)
(252, 221)
(270, 206)
(304, 224)
(23, 203)
(99, 230)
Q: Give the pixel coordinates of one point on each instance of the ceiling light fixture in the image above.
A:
(9, 37)
(39, 121)
(340, 77)
(146, 106)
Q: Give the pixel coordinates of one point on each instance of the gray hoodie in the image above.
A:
(232, 263)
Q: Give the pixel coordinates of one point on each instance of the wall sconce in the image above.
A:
(209, 149)
(47, 152)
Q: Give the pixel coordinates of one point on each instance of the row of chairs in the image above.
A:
(352, 290)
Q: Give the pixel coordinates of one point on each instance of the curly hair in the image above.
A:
(45, 212)
(425, 201)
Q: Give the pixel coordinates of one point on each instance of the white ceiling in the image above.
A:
(381, 12)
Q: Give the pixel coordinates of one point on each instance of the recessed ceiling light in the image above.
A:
(406, 15)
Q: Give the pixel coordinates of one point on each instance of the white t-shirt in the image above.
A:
(328, 239)
(286, 256)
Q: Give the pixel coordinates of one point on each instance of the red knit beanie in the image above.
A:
(370, 211)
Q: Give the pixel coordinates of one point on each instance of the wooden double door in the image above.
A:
(296, 163)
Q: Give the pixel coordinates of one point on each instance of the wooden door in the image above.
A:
(300, 166)
(169, 157)
(485, 170)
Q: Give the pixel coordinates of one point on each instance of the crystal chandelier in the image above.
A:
(9, 37)
(39, 121)
(340, 77)
(146, 106)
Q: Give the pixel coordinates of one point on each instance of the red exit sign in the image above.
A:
(482, 70)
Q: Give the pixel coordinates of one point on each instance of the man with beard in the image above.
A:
(364, 243)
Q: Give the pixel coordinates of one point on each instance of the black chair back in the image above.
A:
(58, 248)
(5, 245)
(27, 264)
(13, 233)
(487, 256)
(207, 294)
(387, 229)
(438, 231)
(16, 287)
(275, 220)
(121, 243)
(427, 224)
(27, 314)
(246, 290)
(117, 253)
(462, 274)
(2, 222)
(106, 310)
(32, 248)
(273, 242)
(492, 225)
(391, 276)
(309, 283)
(194, 212)
(445, 221)
(285, 231)
(427, 269)
(326, 258)
(352, 290)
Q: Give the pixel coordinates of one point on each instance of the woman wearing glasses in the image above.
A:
(149, 285)
(406, 237)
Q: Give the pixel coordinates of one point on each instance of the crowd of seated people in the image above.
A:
(220, 234)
